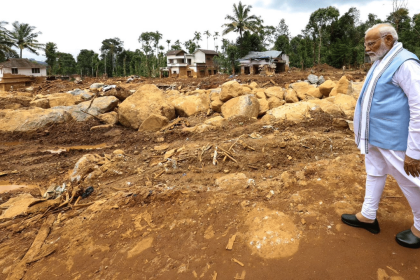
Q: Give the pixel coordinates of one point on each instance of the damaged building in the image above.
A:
(265, 63)
(20, 73)
(181, 64)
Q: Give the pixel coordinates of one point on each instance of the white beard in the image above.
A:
(383, 50)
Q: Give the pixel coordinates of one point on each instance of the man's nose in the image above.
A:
(367, 49)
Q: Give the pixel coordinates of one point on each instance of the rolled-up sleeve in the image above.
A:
(408, 78)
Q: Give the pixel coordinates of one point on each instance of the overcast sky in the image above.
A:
(84, 24)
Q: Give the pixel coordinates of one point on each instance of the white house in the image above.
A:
(269, 62)
(198, 64)
(20, 73)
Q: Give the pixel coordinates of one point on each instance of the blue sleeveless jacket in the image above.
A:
(389, 114)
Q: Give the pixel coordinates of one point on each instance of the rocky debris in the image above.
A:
(328, 107)
(264, 106)
(302, 89)
(62, 99)
(290, 96)
(343, 86)
(295, 112)
(247, 106)
(186, 106)
(356, 89)
(326, 87)
(216, 104)
(253, 85)
(275, 91)
(231, 89)
(232, 181)
(117, 91)
(32, 119)
(274, 102)
(147, 100)
(153, 123)
(315, 92)
(109, 118)
(86, 165)
(321, 80)
(339, 122)
(313, 79)
(216, 121)
(346, 103)
(40, 103)
(260, 93)
(81, 93)
(20, 99)
(100, 105)
(96, 85)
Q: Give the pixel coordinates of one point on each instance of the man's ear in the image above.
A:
(389, 40)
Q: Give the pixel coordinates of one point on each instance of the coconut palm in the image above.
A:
(241, 20)
(168, 41)
(215, 36)
(5, 42)
(24, 37)
(207, 34)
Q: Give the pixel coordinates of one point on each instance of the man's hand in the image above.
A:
(412, 166)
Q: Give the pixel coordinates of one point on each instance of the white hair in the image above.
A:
(385, 29)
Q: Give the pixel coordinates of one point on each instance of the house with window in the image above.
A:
(265, 63)
(20, 73)
(181, 64)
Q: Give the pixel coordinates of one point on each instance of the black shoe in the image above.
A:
(351, 220)
(407, 239)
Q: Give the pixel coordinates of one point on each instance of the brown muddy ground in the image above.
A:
(176, 224)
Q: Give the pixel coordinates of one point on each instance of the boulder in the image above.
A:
(328, 107)
(231, 90)
(356, 89)
(109, 118)
(40, 103)
(216, 104)
(96, 85)
(153, 123)
(32, 119)
(295, 112)
(264, 106)
(302, 89)
(216, 121)
(274, 102)
(326, 87)
(345, 102)
(253, 85)
(247, 106)
(147, 100)
(315, 92)
(275, 91)
(187, 106)
(119, 92)
(321, 80)
(290, 96)
(343, 86)
(313, 79)
(260, 93)
(62, 99)
(6, 99)
(84, 166)
(100, 105)
(232, 181)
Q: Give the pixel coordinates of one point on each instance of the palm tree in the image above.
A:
(24, 37)
(208, 34)
(197, 37)
(5, 42)
(241, 20)
(168, 41)
(215, 36)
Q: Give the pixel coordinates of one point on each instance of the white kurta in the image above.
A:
(380, 162)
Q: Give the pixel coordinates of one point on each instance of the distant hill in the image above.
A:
(40, 62)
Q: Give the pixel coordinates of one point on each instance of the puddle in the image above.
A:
(85, 147)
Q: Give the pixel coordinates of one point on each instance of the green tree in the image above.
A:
(66, 65)
(146, 41)
(51, 55)
(197, 38)
(319, 19)
(241, 20)
(207, 34)
(215, 36)
(110, 49)
(24, 37)
(85, 62)
(191, 46)
(6, 43)
(176, 45)
(168, 42)
(249, 42)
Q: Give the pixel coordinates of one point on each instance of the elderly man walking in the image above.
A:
(387, 129)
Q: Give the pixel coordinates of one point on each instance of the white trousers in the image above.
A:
(379, 164)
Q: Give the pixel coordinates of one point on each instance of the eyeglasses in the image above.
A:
(370, 44)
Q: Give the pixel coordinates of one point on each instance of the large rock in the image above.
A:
(85, 165)
(345, 102)
(264, 106)
(231, 90)
(326, 87)
(216, 104)
(295, 112)
(109, 118)
(96, 85)
(153, 123)
(32, 119)
(100, 105)
(6, 99)
(328, 107)
(216, 121)
(302, 89)
(40, 103)
(274, 102)
(321, 80)
(187, 106)
(147, 100)
(62, 99)
(315, 92)
(356, 89)
(290, 96)
(119, 92)
(343, 86)
(247, 106)
(313, 79)
(259, 93)
(275, 91)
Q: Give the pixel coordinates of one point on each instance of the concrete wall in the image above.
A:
(25, 71)
(200, 57)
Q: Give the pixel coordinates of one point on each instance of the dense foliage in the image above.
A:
(328, 37)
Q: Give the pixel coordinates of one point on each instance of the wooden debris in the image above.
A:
(215, 156)
(253, 166)
(78, 199)
(229, 246)
(159, 174)
(263, 85)
(83, 205)
(18, 272)
(238, 262)
(273, 82)
(227, 155)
